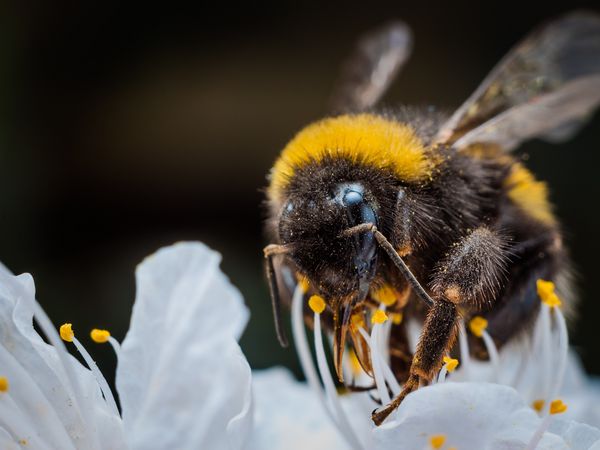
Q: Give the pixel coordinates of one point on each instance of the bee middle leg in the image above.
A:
(438, 335)
(470, 275)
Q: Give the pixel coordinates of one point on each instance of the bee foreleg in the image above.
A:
(270, 251)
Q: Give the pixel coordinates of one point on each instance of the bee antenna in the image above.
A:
(270, 251)
(395, 257)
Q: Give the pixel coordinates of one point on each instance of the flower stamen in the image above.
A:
(556, 407)
(317, 304)
(66, 332)
(304, 354)
(465, 357)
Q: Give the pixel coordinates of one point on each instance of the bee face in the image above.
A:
(312, 223)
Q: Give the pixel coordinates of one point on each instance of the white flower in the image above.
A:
(463, 415)
(184, 384)
(182, 380)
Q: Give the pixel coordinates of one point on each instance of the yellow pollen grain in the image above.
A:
(437, 441)
(557, 407)
(477, 325)
(538, 405)
(99, 336)
(396, 318)
(379, 317)
(303, 284)
(317, 304)
(386, 295)
(366, 139)
(545, 290)
(3, 384)
(66, 332)
(357, 321)
(451, 363)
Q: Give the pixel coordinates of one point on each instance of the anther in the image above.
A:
(477, 325)
(545, 290)
(557, 407)
(386, 295)
(303, 284)
(396, 318)
(317, 304)
(451, 363)
(3, 384)
(66, 332)
(99, 336)
(379, 317)
(538, 405)
(437, 441)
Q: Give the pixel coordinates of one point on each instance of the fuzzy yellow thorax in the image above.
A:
(363, 138)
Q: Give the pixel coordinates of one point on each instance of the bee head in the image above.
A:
(313, 225)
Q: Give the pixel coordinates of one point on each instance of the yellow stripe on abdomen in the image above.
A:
(529, 194)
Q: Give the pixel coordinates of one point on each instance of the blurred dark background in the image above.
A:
(126, 127)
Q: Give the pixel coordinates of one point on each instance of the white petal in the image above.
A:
(469, 414)
(39, 389)
(577, 436)
(182, 379)
(288, 415)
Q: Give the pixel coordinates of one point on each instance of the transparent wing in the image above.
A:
(545, 87)
(372, 67)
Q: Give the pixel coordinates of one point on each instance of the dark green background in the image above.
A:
(125, 128)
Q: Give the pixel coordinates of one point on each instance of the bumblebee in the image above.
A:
(430, 213)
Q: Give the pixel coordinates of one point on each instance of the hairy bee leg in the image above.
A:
(438, 335)
(270, 251)
(470, 275)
